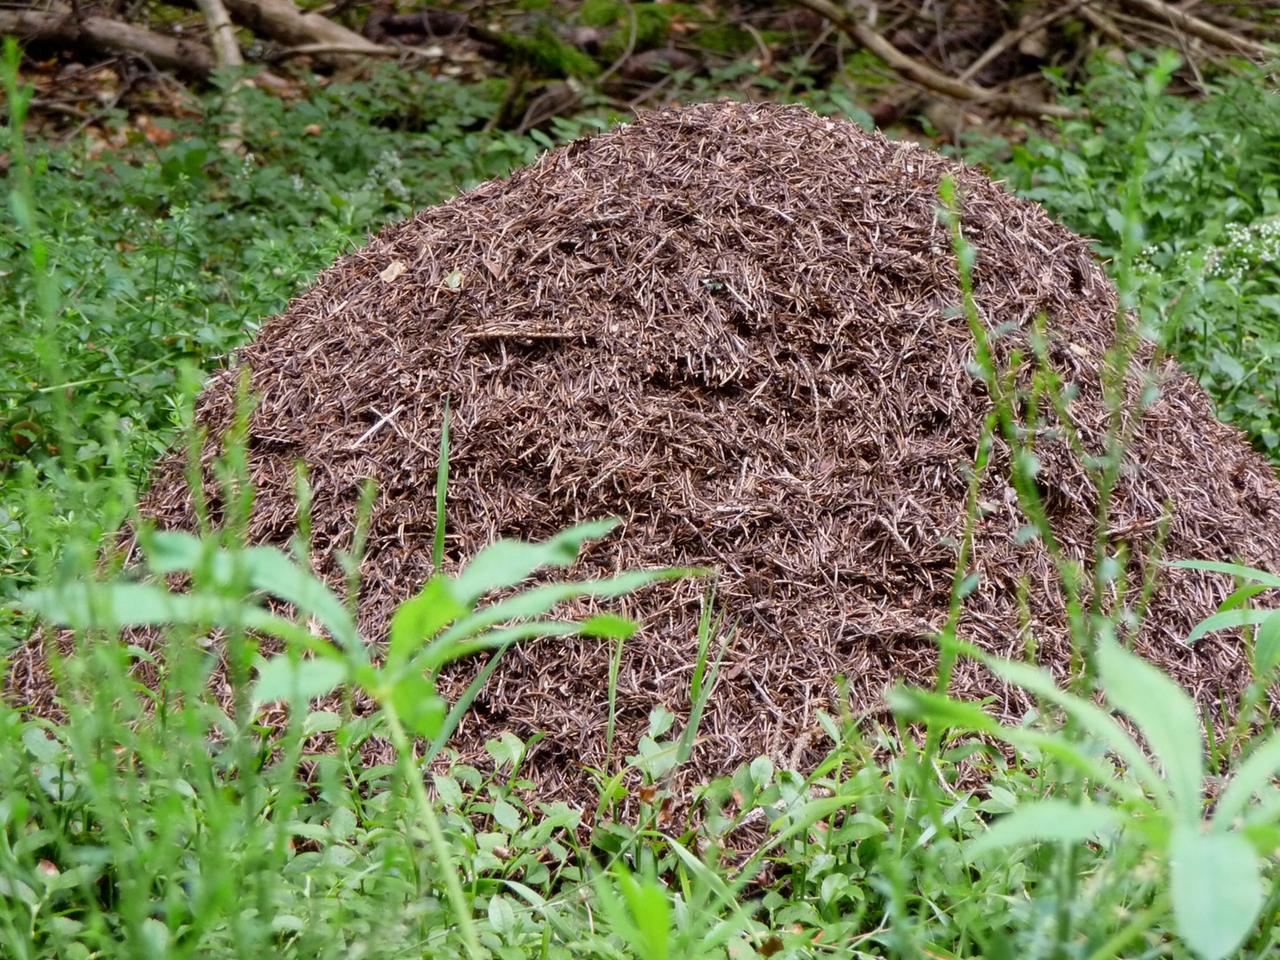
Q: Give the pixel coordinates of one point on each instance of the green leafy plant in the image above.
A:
(1214, 863)
(1207, 272)
(439, 625)
(1235, 612)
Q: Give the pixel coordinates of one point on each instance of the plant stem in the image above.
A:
(439, 845)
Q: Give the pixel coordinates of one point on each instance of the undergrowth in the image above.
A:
(157, 819)
(1210, 212)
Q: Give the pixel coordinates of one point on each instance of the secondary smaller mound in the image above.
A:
(732, 326)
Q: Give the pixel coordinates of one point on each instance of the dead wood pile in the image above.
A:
(731, 326)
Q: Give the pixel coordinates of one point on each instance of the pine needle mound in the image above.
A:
(733, 327)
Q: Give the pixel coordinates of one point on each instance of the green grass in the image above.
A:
(159, 821)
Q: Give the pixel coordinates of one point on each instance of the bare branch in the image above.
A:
(284, 22)
(59, 24)
(342, 50)
(1014, 36)
(924, 74)
(222, 34)
(1203, 29)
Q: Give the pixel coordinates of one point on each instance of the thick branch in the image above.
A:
(282, 21)
(924, 74)
(58, 25)
(222, 34)
(1202, 28)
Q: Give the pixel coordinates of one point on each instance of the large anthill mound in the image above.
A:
(732, 326)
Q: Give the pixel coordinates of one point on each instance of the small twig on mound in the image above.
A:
(926, 75)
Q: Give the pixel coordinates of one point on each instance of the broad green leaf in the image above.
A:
(1166, 717)
(1266, 647)
(1242, 596)
(265, 568)
(1263, 836)
(437, 655)
(1231, 569)
(610, 626)
(540, 903)
(1217, 890)
(1252, 777)
(1264, 816)
(809, 813)
(88, 605)
(1226, 620)
(320, 721)
(651, 910)
(272, 570)
(155, 935)
(284, 678)
(1095, 721)
(654, 760)
(421, 618)
(413, 696)
(913, 703)
(501, 916)
(537, 601)
(506, 816)
(1046, 820)
(174, 551)
(508, 562)
(447, 790)
(761, 771)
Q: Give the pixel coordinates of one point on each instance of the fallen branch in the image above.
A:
(341, 50)
(226, 53)
(1107, 27)
(58, 24)
(222, 34)
(1016, 35)
(282, 21)
(1203, 29)
(926, 75)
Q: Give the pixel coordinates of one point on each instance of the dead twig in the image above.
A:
(1203, 29)
(91, 119)
(1015, 36)
(1107, 27)
(222, 33)
(926, 75)
(340, 50)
